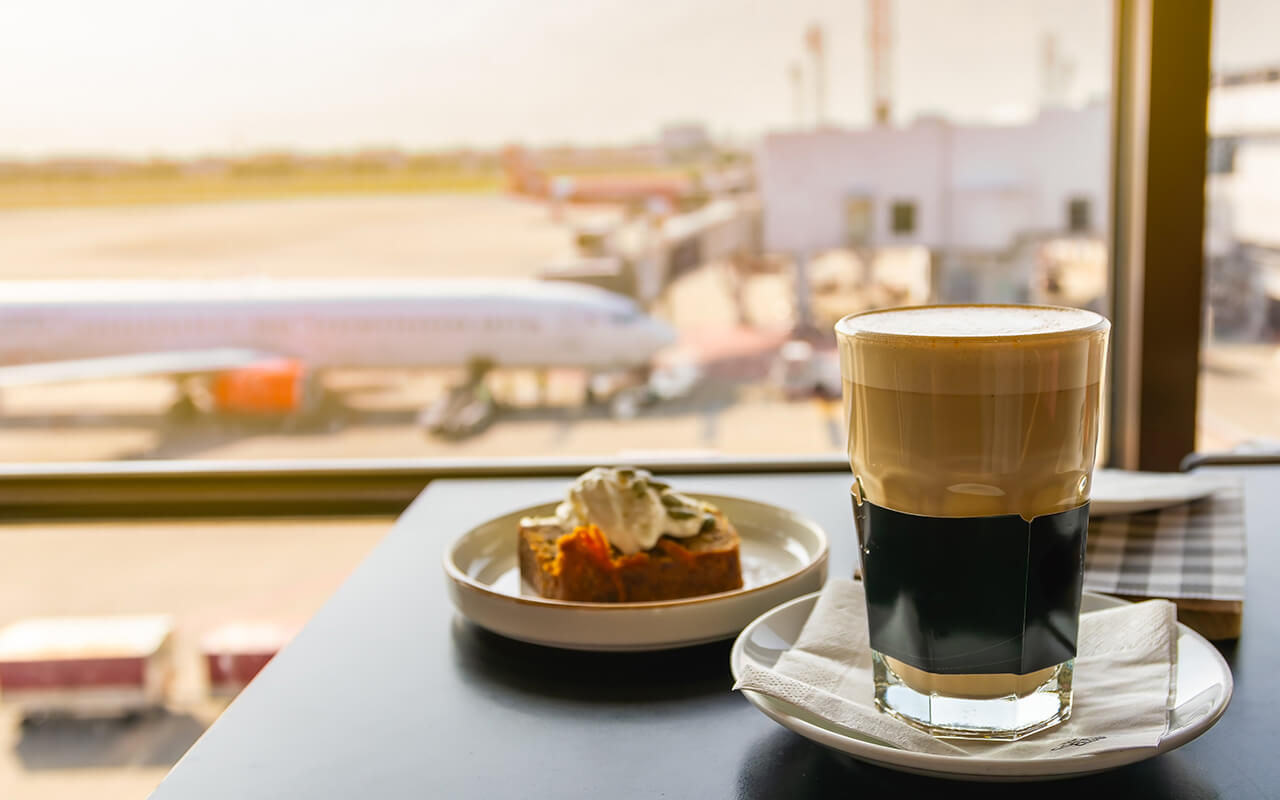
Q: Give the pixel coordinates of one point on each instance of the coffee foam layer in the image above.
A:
(996, 350)
(964, 322)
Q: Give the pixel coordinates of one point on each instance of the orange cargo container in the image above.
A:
(272, 387)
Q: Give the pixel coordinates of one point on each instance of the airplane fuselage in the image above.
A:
(331, 323)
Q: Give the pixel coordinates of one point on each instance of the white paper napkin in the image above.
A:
(1125, 673)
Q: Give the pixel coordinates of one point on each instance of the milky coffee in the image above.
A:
(972, 437)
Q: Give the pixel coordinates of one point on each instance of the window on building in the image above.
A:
(1078, 215)
(902, 218)
(857, 220)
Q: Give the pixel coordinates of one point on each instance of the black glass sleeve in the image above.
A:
(973, 595)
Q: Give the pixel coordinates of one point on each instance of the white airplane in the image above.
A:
(257, 345)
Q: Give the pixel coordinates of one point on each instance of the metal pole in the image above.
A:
(815, 39)
(795, 71)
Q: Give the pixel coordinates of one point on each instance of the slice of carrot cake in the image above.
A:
(622, 536)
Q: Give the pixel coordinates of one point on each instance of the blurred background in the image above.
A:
(225, 233)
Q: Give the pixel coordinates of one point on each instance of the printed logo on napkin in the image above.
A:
(1075, 743)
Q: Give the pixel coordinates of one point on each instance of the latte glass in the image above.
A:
(972, 437)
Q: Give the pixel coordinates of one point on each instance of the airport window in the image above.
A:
(1240, 359)
(902, 218)
(287, 207)
(1078, 218)
(757, 223)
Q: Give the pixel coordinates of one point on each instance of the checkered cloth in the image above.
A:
(1194, 550)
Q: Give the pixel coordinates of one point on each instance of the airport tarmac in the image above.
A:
(1239, 395)
(420, 235)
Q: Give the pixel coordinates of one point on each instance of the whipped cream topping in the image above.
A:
(632, 509)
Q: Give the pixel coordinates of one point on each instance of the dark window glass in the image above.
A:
(902, 220)
(1078, 217)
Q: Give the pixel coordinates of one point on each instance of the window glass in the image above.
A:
(1240, 361)
(1078, 218)
(584, 215)
(904, 218)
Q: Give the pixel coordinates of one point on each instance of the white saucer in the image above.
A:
(1203, 689)
(783, 556)
(1118, 491)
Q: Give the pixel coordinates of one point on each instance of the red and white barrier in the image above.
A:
(86, 666)
(235, 652)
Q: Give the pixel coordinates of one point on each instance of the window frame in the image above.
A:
(325, 487)
(1160, 92)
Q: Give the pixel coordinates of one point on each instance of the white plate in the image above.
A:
(783, 556)
(1117, 491)
(1203, 690)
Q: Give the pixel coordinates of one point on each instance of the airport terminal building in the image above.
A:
(980, 198)
(1019, 213)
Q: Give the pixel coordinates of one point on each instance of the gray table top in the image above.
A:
(388, 693)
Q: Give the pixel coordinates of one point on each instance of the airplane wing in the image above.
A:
(134, 365)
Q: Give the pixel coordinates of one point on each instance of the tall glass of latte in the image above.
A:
(972, 435)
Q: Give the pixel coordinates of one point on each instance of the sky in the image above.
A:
(151, 78)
